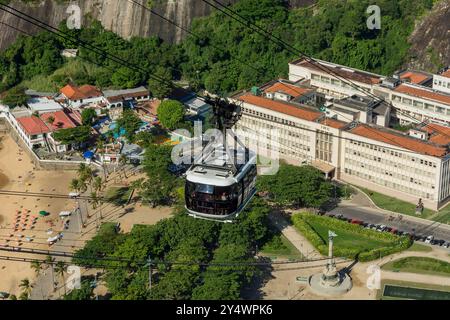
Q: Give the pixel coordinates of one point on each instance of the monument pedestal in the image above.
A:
(330, 282)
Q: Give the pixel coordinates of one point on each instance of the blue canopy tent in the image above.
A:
(88, 155)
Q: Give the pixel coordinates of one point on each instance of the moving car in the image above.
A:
(4, 295)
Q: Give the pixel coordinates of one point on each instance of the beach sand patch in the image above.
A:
(3, 180)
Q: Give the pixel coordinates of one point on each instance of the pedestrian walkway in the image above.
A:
(297, 239)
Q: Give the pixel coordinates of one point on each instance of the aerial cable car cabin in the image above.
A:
(222, 181)
(215, 190)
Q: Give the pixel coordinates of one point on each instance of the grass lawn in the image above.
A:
(422, 265)
(396, 205)
(346, 239)
(408, 285)
(280, 247)
(419, 248)
(443, 216)
(351, 241)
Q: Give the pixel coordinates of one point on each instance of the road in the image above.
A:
(371, 215)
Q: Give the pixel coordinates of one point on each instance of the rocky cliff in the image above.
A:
(121, 16)
(430, 49)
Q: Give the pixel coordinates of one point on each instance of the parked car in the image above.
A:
(332, 216)
(74, 195)
(65, 214)
(381, 228)
(339, 216)
(388, 229)
(393, 231)
(356, 221)
(434, 242)
(447, 245)
(365, 224)
(440, 242)
(429, 239)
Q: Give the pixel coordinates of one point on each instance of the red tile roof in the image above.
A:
(354, 75)
(33, 125)
(423, 93)
(400, 140)
(281, 107)
(61, 121)
(78, 93)
(414, 77)
(446, 73)
(337, 124)
(38, 125)
(290, 89)
(438, 134)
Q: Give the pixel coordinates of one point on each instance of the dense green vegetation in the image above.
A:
(180, 239)
(226, 56)
(297, 186)
(77, 136)
(333, 30)
(171, 114)
(421, 265)
(159, 187)
(353, 241)
(130, 122)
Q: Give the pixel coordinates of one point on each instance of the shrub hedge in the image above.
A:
(303, 221)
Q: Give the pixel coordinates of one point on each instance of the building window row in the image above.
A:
(389, 184)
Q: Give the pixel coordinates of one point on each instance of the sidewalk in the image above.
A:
(361, 199)
(300, 242)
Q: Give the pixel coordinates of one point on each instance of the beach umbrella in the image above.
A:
(44, 213)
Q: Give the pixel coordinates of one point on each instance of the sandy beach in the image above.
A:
(17, 173)
(17, 213)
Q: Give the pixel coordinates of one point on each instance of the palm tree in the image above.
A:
(97, 184)
(85, 173)
(60, 269)
(101, 148)
(97, 203)
(75, 185)
(37, 266)
(26, 287)
(123, 160)
(50, 262)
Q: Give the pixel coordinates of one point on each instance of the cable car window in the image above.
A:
(204, 188)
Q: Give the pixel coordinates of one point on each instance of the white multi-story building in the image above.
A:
(441, 82)
(409, 166)
(318, 75)
(421, 103)
(412, 100)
